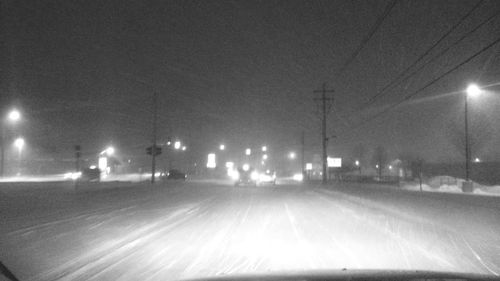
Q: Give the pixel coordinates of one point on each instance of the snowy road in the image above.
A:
(188, 230)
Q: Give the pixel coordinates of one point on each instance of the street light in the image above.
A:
(472, 91)
(110, 151)
(19, 143)
(292, 155)
(14, 115)
(222, 147)
(184, 148)
(264, 148)
(248, 151)
(264, 157)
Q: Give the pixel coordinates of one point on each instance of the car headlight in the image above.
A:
(234, 175)
(298, 177)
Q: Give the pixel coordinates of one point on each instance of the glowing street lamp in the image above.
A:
(19, 143)
(264, 148)
(222, 147)
(248, 151)
(292, 155)
(14, 115)
(110, 151)
(184, 148)
(264, 157)
(473, 90)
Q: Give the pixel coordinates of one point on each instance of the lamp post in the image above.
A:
(19, 143)
(472, 91)
(12, 117)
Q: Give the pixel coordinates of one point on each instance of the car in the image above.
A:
(246, 176)
(267, 177)
(176, 175)
(90, 175)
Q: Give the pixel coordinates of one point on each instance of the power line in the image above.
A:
(402, 74)
(408, 97)
(370, 34)
(449, 47)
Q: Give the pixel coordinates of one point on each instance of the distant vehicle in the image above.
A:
(176, 175)
(267, 177)
(246, 176)
(91, 174)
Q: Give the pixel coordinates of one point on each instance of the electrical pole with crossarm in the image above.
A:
(324, 99)
(154, 147)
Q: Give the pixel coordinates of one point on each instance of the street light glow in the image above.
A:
(19, 143)
(222, 147)
(246, 167)
(184, 148)
(264, 148)
(177, 144)
(357, 163)
(248, 151)
(309, 166)
(292, 155)
(473, 90)
(110, 151)
(14, 115)
(264, 156)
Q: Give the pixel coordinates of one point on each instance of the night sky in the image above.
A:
(244, 72)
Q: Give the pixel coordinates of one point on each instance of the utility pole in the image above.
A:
(302, 142)
(78, 154)
(2, 152)
(467, 145)
(154, 148)
(324, 99)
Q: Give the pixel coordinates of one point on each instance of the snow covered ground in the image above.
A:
(176, 230)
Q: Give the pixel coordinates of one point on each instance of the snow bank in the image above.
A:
(449, 184)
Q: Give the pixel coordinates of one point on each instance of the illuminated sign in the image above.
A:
(334, 162)
(211, 161)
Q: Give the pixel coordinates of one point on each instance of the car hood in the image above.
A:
(345, 274)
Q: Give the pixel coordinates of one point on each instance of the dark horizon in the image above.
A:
(244, 73)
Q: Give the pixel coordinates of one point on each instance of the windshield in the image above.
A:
(166, 140)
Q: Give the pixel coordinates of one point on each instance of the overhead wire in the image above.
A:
(436, 43)
(388, 8)
(418, 91)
